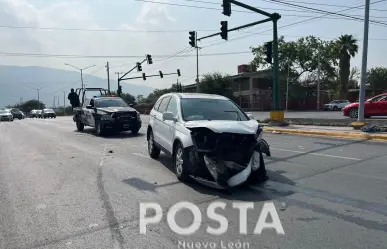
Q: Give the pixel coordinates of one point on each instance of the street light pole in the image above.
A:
(37, 89)
(360, 115)
(64, 103)
(80, 69)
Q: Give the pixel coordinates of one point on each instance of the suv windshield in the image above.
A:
(211, 109)
(48, 110)
(110, 103)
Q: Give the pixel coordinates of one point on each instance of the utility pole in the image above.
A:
(287, 86)
(108, 75)
(53, 104)
(197, 63)
(118, 81)
(58, 102)
(360, 115)
(64, 103)
(80, 69)
(318, 79)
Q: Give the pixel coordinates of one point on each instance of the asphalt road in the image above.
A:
(63, 189)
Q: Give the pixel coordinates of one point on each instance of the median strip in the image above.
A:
(336, 134)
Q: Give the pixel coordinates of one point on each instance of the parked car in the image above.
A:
(209, 137)
(375, 106)
(6, 115)
(48, 113)
(336, 105)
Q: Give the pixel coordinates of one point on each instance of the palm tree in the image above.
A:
(347, 48)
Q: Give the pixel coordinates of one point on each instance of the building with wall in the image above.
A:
(252, 89)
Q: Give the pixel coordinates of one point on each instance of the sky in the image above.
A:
(93, 32)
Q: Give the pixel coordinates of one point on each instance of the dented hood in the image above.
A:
(221, 126)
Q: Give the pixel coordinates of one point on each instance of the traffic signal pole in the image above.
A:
(277, 112)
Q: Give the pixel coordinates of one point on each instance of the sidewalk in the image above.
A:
(327, 131)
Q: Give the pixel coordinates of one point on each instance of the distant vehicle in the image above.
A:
(6, 115)
(33, 114)
(336, 105)
(39, 113)
(16, 113)
(48, 113)
(375, 106)
(209, 138)
(106, 113)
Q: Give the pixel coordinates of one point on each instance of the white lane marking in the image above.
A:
(318, 154)
(141, 155)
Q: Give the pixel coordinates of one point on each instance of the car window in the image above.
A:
(172, 106)
(211, 109)
(378, 98)
(164, 104)
(383, 98)
(157, 104)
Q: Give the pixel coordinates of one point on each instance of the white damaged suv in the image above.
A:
(209, 137)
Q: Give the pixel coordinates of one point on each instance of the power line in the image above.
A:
(293, 24)
(327, 12)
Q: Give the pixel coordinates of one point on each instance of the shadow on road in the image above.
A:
(240, 193)
(111, 135)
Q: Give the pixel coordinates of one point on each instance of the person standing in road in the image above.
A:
(73, 98)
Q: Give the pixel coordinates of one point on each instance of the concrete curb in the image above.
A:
(382, 137)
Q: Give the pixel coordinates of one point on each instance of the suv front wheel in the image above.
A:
(153, 150)
(180, 161)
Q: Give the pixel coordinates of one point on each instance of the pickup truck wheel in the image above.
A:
(99, 129)
(180, 160)
(80, 126)
(153, 150)
(135, 130)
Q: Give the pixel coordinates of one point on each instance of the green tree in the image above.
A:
(300, 57)
(29, 105)
(216, 83)
(140, 98)
(377, 79)
(128, 98)
(346, 47)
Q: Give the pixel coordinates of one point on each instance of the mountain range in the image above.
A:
(20, 84)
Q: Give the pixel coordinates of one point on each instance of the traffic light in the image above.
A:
(119, 91)
(224, 30)
(269, 52)
(139, 67)
(178, 72)
(161, 74)
(143, 76)
(226, 8)
(192, 38)
(149, 59)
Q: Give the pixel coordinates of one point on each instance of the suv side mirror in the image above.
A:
(169, 116)
(89, 107)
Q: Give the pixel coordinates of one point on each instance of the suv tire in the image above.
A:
(180, 161)
(153, 150)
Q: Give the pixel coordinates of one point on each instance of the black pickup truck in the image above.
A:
(107, 113)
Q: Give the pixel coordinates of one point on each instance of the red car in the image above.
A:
(375, 106)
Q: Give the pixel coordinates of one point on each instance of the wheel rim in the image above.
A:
(353, 113)
(150, 143)
(179, 161)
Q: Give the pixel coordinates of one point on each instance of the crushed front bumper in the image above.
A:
(225, 164)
